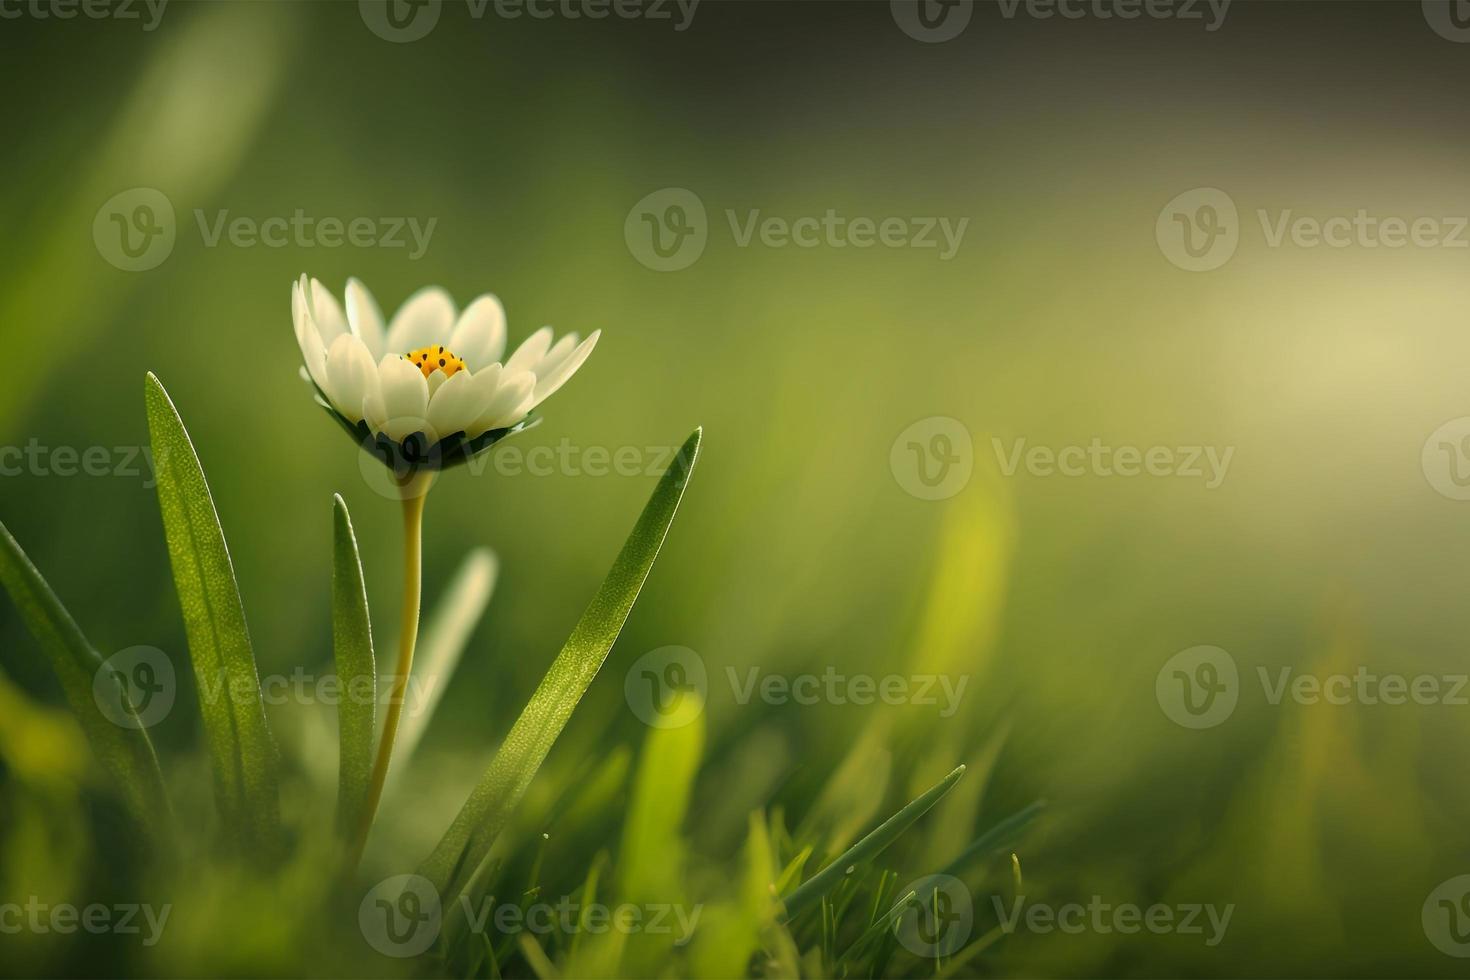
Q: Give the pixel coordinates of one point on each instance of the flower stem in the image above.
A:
(413, 521)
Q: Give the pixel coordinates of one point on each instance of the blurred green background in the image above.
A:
(1060, 319)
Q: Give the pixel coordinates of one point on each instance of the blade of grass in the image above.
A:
(467, 842)
(997, 838)
(870, 846)
(352, 652)
(240, 744)
(127, 753)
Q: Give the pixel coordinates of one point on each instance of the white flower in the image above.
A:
(431, 370)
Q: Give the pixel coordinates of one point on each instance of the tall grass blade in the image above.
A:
(467, 842)
(357, 680)
(244, 755)
(811, 890)
(126, 752)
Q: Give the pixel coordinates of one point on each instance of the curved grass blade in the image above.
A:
(447, 631)
(997, 838)
(244, 755)
(467, 843)
(352, 652)
(126, 752)
(870, 846)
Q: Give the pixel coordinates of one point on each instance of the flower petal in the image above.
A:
(479, 337)
(558, 375)
(426, 317)
(331, 323)
(454, 406)
(396, 406)
(313, 353)
(509, 404)
(351, 374)
(364, 317)
(529, 354)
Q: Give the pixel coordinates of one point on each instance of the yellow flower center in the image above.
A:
(431, 359)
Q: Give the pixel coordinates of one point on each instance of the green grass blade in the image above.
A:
(466, 844)
(445, 634)
(127, 753)
(352, 652)
(651, 856)
(244, 755)
(886, 833)
(996, 839)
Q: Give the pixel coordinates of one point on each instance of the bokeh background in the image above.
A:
(1060, 319)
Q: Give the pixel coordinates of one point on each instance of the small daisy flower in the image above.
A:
(429, 389)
